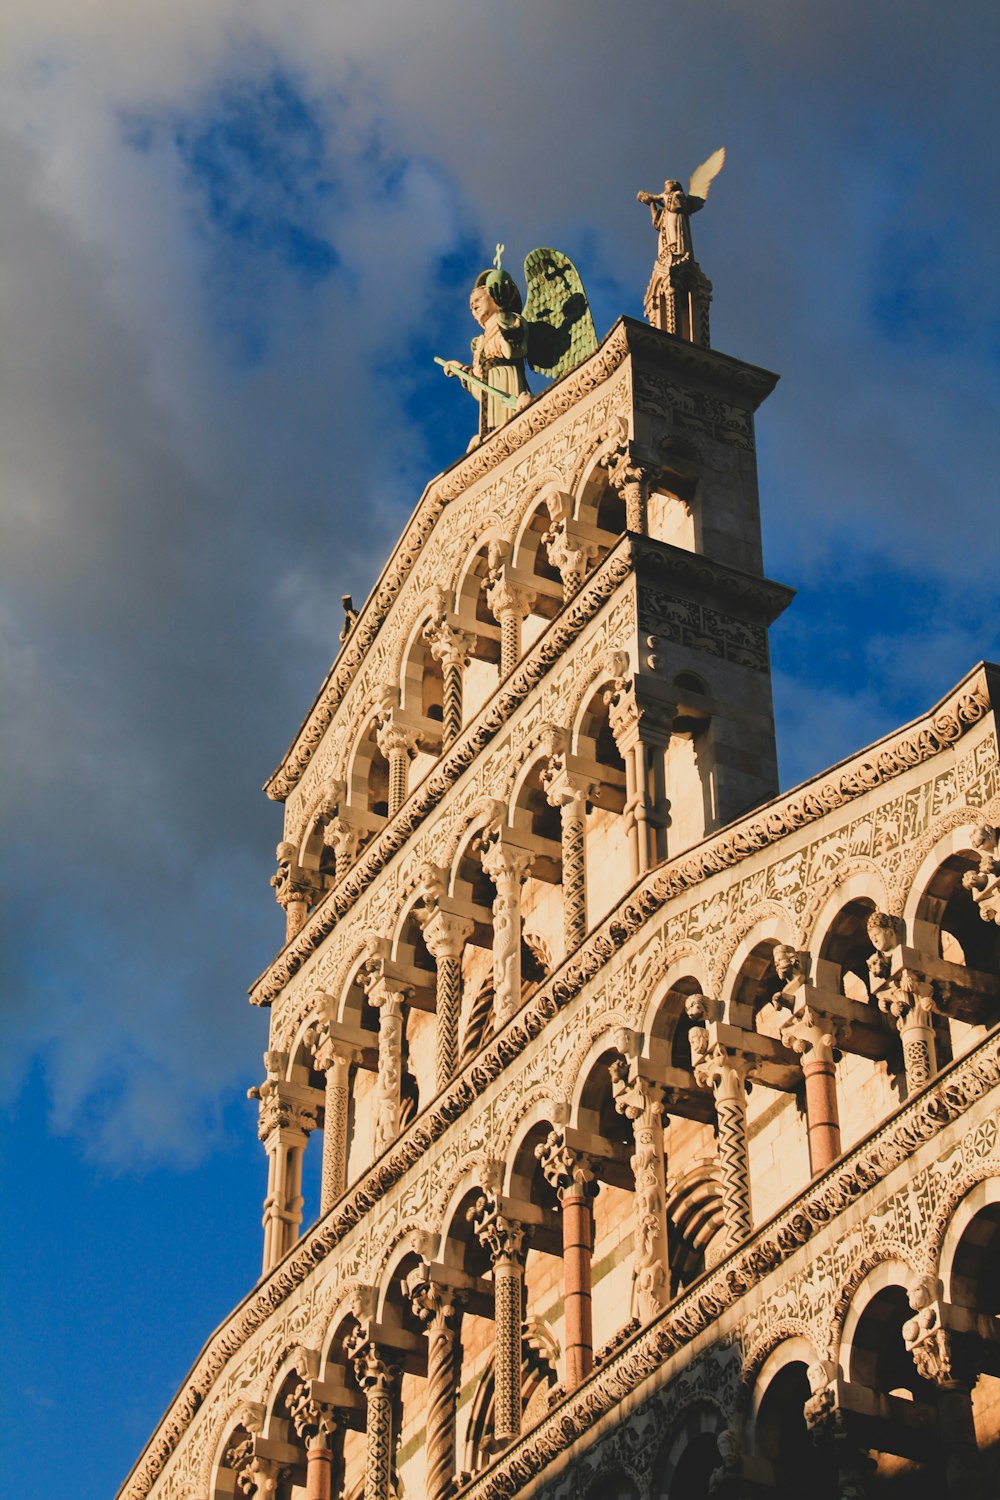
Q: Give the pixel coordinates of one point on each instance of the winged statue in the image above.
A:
(552, 332)
(679, 292)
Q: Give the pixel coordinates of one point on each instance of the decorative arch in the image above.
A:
(767, 922)
(952, 1259)
(702, 1418)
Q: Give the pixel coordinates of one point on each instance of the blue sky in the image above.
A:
(233, 239)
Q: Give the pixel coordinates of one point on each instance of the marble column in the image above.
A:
(641, 1102)
(386, 995)
(334, 1059)
(510, 604)
(315, 1423)
(507, 866)
(446, 935)
(573, 1176)
(571, 557)
(284, 1126)
(570, 794)
(725, 1073)
(377, 1378)
(506, 1240)
(295, 890)
(439, 1309)
(453, 649)
(398, 745)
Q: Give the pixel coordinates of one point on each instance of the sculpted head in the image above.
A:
(481, 305)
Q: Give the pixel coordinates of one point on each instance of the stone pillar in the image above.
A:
(453, 649)
(827, 1426)
(377, 1379)
(315, 1423)
(570, 794)
(632, 482)
(573, 1176)
(334, 1059)
(295, 890)
(285, 1122)
(641, 1101)
(505, 1239)
(812, 1035)
(439, 1308)
(640, 728)
(910, 1001)
(507, 866)
(344, 838)
(510, 604)
(725, 1071)
(947, 1359)
(446, 936)
(398, 745)
(386, 995)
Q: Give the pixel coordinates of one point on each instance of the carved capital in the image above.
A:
(566, 1169)
(278, 1111)
(446, 934)
(507, 598)
(375, 1374)
(392, 736)
(435, 1304)
(314, 1421)
(290, 882)
(503, 1236)
(564, 788)
(448, 645)
(506, 864)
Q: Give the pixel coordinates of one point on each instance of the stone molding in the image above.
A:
(911, 746)
(641, 1354)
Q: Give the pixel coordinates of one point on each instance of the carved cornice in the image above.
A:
(627, 337)
(951, 1094)
(911, 746)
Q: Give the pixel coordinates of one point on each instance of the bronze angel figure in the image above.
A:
(552, 332)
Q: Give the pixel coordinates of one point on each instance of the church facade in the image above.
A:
(657, 1110)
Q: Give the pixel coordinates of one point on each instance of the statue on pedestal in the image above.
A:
(678, 294)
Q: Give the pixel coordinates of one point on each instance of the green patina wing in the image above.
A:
(557, 315)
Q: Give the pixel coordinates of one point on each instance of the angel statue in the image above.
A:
(678, 294)
(552, 334)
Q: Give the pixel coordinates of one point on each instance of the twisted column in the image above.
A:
(641, 1102)
(573, 1176)
(507, 866)
(446, 936)
(570, 794)
(633, 482)
(725, 1072)
(439, 1308)
(284, 1125)
(505, 1239)
(640, 726)
(377, 1379)
(344, 838)
(453, 649)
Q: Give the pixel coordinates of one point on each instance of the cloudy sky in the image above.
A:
(233, 236)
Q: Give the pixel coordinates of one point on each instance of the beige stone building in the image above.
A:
(657, 1111)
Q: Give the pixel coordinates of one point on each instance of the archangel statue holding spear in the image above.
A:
(552, 334)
